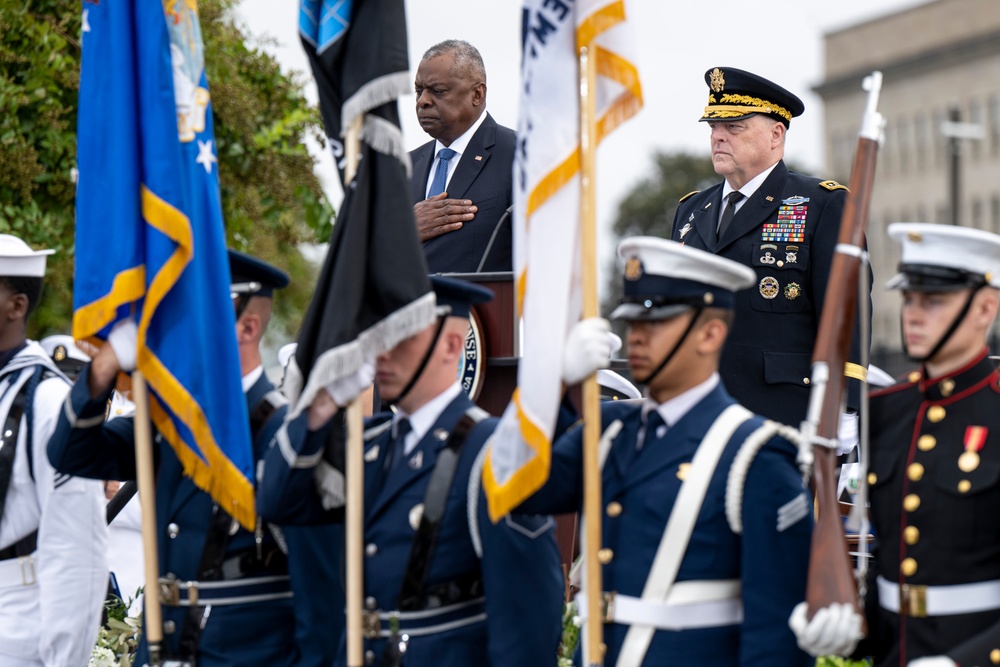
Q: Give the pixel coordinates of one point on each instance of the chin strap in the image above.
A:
(424, 361)
(947, 334)
(666, 360)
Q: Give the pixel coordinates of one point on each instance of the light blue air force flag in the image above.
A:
(149, 234)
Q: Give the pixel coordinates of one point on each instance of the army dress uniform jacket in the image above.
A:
(255, 633)
(512, 618)
(484, 176)
(786, 232)
(936, 516)
(769, 559)
(50, 600)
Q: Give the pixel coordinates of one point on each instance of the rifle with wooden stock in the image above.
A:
(831, 578)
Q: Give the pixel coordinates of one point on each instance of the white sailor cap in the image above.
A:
(944, 258)
(664, 278)
(18, 259)
(615, 387)
(62, 346)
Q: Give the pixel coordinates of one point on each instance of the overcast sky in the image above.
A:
(678, 41)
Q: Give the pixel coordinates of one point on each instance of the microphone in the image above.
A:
(489, 246)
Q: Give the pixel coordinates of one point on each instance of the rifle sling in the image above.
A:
(8, 449)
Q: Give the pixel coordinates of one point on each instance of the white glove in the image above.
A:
(834, 630)
(124, 341)
(588, 348)
(847, 432)
(933, 661)
(346, 389)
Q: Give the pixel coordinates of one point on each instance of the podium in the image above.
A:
(493, 345)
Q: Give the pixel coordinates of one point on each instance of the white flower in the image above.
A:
(577, 621)
(102, 657)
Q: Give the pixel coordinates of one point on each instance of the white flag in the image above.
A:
(547, 217)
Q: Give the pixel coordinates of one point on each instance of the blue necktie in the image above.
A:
(653, 423)
(397, 447)
(441, 173)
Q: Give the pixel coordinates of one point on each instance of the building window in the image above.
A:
(905, 151)
(993, 131)
(976, 118)
(940, 142)
(922, 140)
(977, 213)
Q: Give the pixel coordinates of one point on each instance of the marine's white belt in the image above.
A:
(18, 571)
(690, 604)
(939, 600)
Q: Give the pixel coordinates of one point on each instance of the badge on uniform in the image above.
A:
(790, 226)
(416, 461)
(686, 228)
(792, 291)
(768, 287)
(371, 454)
(975, 438)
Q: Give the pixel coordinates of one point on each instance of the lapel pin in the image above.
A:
(479, 158)
(769, 198)
(417, 461)
(371, 454)
(441, 434)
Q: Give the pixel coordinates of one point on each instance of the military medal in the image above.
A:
(975, 438)
(790, 226)
(768, 287)
(792, 291)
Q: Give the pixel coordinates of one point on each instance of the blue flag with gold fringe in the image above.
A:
(150, 240)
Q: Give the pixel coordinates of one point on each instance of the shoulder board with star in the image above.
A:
(832, 185)
(688, 196)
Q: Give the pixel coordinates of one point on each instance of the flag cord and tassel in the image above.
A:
(153, 614)
(354, 507)
(591, 398)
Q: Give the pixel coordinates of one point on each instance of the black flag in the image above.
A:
(373, 291)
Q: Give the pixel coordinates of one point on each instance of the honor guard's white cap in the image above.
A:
(944, 258)
(62, 346)
(664, 278)
(614, 387)
(18, 259)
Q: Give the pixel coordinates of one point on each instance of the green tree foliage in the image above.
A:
(648, 209)
(272, 199)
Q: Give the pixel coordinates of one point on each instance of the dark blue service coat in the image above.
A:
(298, 631)
(638, 494)
(522, 585)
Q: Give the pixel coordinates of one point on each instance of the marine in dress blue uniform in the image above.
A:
(785, 228)
(934, 590)
(451, 107)
(741, 568)
(250, 616)
(485, 594)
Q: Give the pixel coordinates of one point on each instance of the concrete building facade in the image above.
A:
(938, 59)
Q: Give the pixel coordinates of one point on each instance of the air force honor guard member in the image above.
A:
(782, 225)
(226, 591)
(707, 523)
(934, 587)
(442, 582)
(53, 570)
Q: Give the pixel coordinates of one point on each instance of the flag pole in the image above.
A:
(591, 398)
(354, 507)
(153, 621)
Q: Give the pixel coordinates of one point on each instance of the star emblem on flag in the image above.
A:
(205, 156)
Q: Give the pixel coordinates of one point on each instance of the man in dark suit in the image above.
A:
(267, 597)
(783, 225)
(461, 184)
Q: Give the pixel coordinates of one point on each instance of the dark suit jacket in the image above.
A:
(766, 363)
(484, 176)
